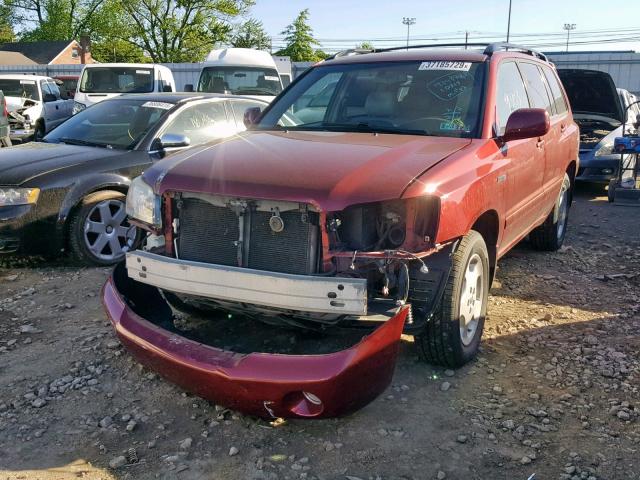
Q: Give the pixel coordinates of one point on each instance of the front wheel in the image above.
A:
(99, 232)
(452, 336)
(40, 132)
(550, 235)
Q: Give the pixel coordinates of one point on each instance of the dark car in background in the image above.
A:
(67, 84)
(67, 193)
(599, 108)
(5, 139)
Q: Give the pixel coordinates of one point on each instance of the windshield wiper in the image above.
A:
(254, 91)
(86, 143)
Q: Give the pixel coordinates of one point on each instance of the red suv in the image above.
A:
(377, 190)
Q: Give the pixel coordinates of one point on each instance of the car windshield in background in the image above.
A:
(440, 98)
(240, 81)
(117, 124)
(19, 88)
(117, 80)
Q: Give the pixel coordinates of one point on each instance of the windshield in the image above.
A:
(117, 80)
(240, 80)
(115, 123)
(440, 98)
(19, 88)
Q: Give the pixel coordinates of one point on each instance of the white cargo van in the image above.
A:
(240, 71)
(100, 81)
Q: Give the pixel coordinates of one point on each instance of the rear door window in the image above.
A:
(538, 96)
(558, 99)
(511, 94)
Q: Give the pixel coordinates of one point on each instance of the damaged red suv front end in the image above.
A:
(260, 384)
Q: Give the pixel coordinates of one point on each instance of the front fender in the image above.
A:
(90, 184)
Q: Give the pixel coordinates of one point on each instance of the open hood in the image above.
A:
(592, 93)
(329, 169)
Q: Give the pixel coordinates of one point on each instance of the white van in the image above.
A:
(100, 81)
(240, 71)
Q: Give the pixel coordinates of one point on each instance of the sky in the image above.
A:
(340, 24)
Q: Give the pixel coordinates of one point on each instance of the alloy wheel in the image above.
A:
(471, 298)
(107, 233)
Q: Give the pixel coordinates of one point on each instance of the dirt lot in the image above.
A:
(554, 392)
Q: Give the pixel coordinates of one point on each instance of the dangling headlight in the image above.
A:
(143, 204)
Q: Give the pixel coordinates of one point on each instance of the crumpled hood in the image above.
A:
(15, 103)
(25, 162)
(331, 170)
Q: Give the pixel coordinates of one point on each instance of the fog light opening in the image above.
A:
(303, 404)
(607, 171)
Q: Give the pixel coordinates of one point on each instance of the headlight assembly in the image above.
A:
(78, 107)
(606, 148)
(143, 204)
(18, 196)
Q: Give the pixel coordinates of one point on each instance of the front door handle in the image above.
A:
(563, 127)
(540, 142)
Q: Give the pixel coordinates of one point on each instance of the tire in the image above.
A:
(549, 236)
(40, 132)
(98, 227)
(611, 190)
(445, 340)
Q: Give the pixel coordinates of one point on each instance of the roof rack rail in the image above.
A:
(490, 49)
(494, 47)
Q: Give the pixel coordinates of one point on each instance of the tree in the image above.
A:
(299, 40)
(54, 19)
(365, 46)
(6, 25)
(251, 34)
(183, 30)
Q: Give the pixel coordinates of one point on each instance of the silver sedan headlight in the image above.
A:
(78, 107)
(143, 204)
(10, 196)
(606, 148)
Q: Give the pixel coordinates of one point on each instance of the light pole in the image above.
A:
(568, 27)
(408, 21)
(509, 23)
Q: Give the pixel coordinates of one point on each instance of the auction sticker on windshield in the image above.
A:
(445, 65)
(162, 105)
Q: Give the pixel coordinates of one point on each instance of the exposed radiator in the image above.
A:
(210, 234)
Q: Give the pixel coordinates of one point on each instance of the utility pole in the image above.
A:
(466, 39)
(408, 21)
(568, 27)
(509, 23)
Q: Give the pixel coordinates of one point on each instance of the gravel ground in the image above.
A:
(553, 393)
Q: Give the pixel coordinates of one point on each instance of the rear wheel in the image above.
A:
(550, 235)
(99, 232)
(452, 336)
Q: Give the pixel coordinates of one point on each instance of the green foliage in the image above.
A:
(180, 31)
(365, 46)
(251, 34)
(6, 25)
(300, 41)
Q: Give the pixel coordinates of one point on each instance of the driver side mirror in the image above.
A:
(252, 116)
(173, 140)
(527, 123)
(49, 97)
(188, 87)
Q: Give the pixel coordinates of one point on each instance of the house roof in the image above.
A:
(14, 58)
(40, 52)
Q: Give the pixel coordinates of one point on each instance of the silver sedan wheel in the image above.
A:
(563, 211)
(471, 298)
(107, 233)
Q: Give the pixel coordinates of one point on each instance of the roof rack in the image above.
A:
(490, 49)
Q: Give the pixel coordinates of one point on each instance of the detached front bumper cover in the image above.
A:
(260, 384)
